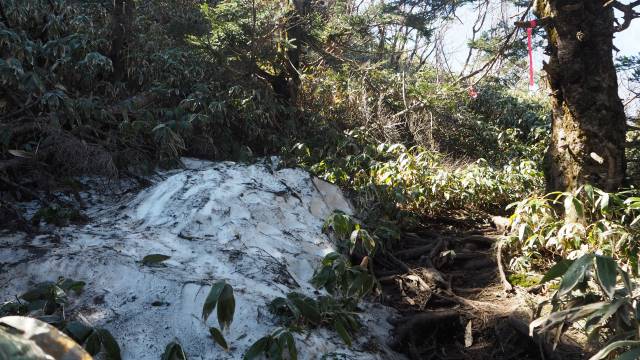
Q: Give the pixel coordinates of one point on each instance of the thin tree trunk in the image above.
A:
(121, 19)
(588, 128)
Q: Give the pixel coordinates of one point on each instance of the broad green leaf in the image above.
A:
(173, 351)
(275, 350)
(355, 288)
(226, 307)
(93, 343)
(75, 286)
(218, 338)
(291, 306)
(110, 345)
(257, 349)
(557, 270)
(154, 259)
(613, 346)
(588, 189)
(41, 291)
(308, 307)
(212, 299)
(78, 331)
(322, 277)
(607, 271)
(575, 274)
(330, 258)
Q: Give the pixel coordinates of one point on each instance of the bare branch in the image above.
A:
(628, 13)
(505, 45)
(547, 20)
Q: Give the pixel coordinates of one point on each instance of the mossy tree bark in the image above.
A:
(588, 129)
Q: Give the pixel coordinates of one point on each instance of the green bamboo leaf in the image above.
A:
(291, 345)
(523, 232)
(613, 346)
(42, 291)
(226, 307)
(625, 280)
(154, 259)
(579, 207)
(604, 202)
(78, 331)
(368, 242)
(353, 239)
(604, 313)
(607, 272)
(568, 204)
(20, 153)
(355, 288)
(308, 307)
(342, 331)
(218, 338)
(173, 351)
(93, 344)
(322, 277)
(212, 299)
(575, 274)
(274, 351)
(330, 258)
(75, 286)
(110, 345)
(588, 189)
(257, 349)
(557, 270)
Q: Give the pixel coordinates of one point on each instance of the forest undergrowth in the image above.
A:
(454, 226)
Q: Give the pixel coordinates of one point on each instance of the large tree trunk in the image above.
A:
(589, 123)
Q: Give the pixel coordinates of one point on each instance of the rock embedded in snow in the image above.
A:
(257, 228)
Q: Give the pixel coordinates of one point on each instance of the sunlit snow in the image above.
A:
(256, 227)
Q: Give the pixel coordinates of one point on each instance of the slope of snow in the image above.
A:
(255, 227)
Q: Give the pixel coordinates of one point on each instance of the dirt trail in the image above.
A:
(452, 299)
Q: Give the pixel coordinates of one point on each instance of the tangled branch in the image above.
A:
(628, 13)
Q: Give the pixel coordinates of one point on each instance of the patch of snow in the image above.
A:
(258, 228)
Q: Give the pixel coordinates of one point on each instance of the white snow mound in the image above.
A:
(257, 228)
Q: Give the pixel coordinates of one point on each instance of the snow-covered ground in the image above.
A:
(256, 227)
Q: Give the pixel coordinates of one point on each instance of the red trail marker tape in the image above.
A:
(532, 24)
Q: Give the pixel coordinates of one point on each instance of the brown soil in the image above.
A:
(453, 302)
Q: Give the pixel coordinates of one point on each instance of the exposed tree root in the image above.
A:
(503, 278)
(414, 252)
(452, 291)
